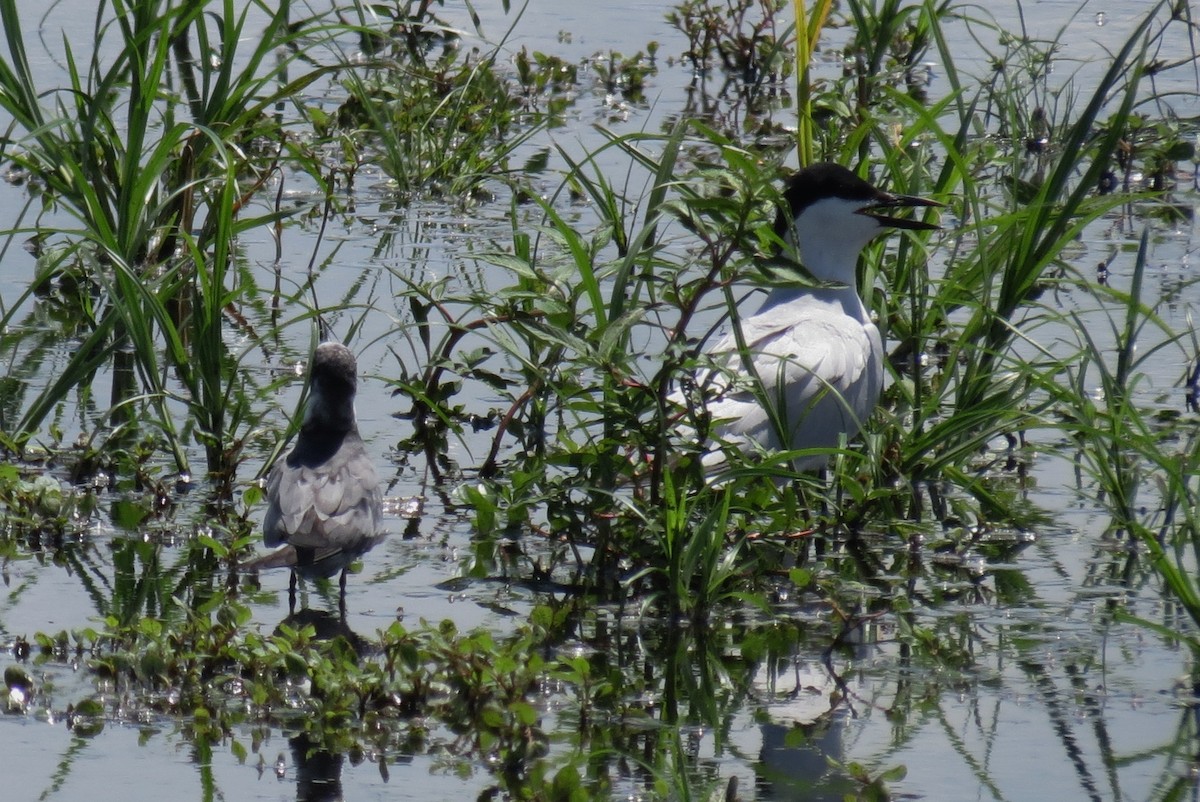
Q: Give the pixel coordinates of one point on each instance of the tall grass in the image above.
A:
(158, 201)
(598, 327)
(1144, 466)
(1016, 240)
(161, 147)
(608, 321)
(809, 27)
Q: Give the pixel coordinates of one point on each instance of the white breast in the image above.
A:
(819, 363)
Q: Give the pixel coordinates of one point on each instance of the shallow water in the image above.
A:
(1056, 703)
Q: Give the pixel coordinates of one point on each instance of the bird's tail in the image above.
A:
(285, 557)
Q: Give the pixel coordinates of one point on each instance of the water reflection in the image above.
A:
(810, 703)
(793, 762)
(318, 770)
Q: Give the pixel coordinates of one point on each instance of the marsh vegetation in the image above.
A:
(203, 184)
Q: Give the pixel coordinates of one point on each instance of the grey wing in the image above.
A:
(333, 505)
(275, 529)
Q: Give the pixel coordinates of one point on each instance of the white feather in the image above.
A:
(813, 365)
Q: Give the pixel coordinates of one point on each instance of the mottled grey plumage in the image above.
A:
(323, 499)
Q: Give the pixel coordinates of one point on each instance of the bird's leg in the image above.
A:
(292, 594)
(819, 541)
(809, 531)
(342, 596)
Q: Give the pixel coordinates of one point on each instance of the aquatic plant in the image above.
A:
(435, 115)
(1144, 465)
(600, 329)
(161, 184)
(157, 203)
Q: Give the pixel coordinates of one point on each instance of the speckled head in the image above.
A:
(334, 370)
(333, 381)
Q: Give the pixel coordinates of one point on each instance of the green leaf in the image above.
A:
(525, 713)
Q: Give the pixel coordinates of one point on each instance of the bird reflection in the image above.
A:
(326, 626)
(318, 770)
(803, 739)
